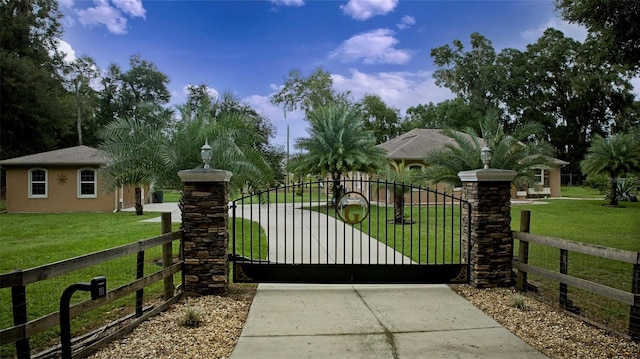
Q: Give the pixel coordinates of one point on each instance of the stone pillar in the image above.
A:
(206, 231)
(490, 239)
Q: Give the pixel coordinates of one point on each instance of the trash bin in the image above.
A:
(157, 197)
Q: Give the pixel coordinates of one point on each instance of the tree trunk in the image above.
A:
(79, 123)
(613, 193)
(138, 192)
(398, 209)
(337, 188)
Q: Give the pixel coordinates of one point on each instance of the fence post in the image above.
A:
(634, 314)
(523, 250)
(139, 274)
(564, 269)
(490, 239)
(19, 307)
(167, 256)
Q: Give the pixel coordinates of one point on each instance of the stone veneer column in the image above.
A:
(491, 241)
(206, 232)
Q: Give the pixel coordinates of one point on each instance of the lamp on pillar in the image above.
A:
(485, 156)
(206, 154)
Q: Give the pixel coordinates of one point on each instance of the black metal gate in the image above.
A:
(364, 231)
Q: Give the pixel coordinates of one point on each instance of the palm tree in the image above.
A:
(511, 151)
(337, 145)
(402, 178)
(615, 156)
(141, 153)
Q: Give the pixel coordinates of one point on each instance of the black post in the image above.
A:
(634, 314)
(564, 264)
(523, 250)
(139, 274)
(167, 256)
(19, 307)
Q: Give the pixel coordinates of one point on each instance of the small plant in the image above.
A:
(518, 301)
(191, 318)
(627, 189)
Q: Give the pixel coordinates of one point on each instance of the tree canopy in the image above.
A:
(557, 82)
(382, 120)
(124, 90)
(34, 105)
(612, 23)
(308, 93)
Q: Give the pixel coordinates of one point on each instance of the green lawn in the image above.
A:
(580, 192)
(429, 240)
(171, 196)
(31, 240)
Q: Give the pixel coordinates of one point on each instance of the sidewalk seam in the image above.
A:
(387, 333)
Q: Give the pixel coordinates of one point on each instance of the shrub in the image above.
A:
(518, 301)
(627, 189)
(191, 318)
(598, 182)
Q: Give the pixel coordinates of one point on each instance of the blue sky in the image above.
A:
(249, 47)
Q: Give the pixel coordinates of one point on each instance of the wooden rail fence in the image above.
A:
(23, 329)
(521, 264)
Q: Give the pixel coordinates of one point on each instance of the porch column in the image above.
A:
(490, 239)
(206, 231)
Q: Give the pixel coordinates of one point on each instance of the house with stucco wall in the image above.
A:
(411, 147)
(64, 180)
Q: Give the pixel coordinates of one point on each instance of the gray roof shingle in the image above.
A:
(78, 155)
(415, 144)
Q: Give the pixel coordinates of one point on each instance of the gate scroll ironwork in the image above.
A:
(375, 232)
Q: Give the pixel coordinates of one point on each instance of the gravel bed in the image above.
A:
(548, 329)
(164, 336)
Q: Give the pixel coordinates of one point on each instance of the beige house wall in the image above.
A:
(554, 182)
(62, 192)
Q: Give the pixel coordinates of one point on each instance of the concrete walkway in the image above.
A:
(371, 321)
(362, 321)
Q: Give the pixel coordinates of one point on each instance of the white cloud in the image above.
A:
(574, 31)
(366, 9)
(66, 49)
(103, 13)
(288, 2)
(373, 47)
(406, 22)
(131, 7)
(635, 82)
(397, 89)
(66, 3)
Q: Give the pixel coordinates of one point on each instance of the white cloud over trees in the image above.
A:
(372, 47)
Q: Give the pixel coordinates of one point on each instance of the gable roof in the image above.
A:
(78, 155)
(415, 144)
